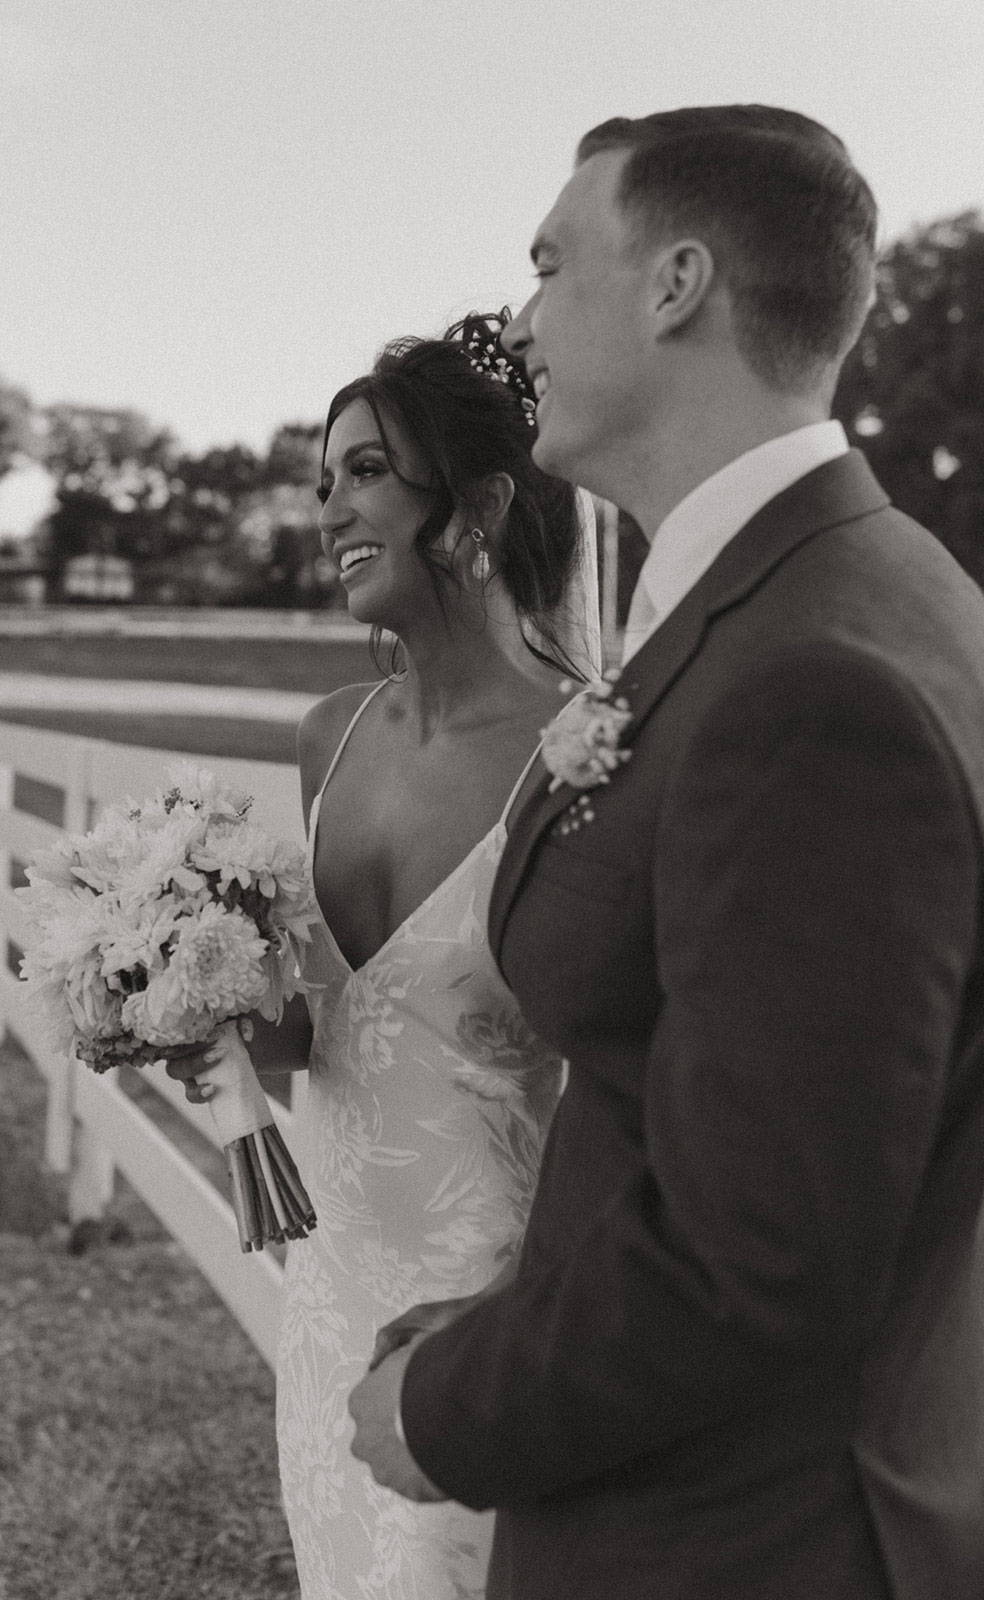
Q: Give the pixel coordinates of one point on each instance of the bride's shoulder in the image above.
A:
(321, 729)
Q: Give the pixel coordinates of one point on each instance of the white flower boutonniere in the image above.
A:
(580, 747)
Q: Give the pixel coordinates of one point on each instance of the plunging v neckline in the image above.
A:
(411, 916)
(314, 826)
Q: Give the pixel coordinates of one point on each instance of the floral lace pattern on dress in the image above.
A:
(428, 1102)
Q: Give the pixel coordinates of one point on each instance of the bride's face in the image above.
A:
(370, 518)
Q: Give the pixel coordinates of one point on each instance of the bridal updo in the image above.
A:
(469, 412)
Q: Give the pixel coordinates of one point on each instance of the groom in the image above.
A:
(743, 1357)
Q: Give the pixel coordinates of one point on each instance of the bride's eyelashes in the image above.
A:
(359, 471)
(367, 470)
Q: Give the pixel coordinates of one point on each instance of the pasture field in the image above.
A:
(302, 662)
(251, 740)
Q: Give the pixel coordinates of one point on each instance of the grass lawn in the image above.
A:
(302, 664)
(248, 739)
(137, 1452)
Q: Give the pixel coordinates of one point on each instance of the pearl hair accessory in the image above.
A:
(486, 356)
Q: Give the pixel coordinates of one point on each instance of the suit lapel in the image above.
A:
(837, 492)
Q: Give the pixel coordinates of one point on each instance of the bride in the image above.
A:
(428, 1097)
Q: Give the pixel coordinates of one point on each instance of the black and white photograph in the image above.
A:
(491, 800)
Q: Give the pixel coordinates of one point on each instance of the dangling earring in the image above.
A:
(480, 564)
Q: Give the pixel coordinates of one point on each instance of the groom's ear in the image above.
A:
(681, 276)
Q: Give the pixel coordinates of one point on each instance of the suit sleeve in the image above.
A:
(815, 888)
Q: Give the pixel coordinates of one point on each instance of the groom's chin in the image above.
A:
(550, 456)
(560, 458)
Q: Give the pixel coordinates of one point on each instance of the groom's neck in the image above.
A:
(700, 437)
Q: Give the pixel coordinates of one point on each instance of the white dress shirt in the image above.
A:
(697, 530)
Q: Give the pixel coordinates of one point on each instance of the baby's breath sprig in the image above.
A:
(581, 745)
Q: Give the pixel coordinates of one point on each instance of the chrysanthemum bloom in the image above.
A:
(216, 971)
(196, 786)
(243, 853)
(136, 939)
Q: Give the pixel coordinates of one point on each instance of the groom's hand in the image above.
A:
(373, 1404)
(428, 1317)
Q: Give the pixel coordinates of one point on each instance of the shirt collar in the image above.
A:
(697, 530)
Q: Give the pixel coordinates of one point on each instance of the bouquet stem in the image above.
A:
(268, 1197)
(271, 1205)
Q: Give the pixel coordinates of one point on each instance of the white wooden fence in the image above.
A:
(93, 1128)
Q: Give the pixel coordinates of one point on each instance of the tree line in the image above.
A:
(227, 526)
(912, 391)
(237, 526)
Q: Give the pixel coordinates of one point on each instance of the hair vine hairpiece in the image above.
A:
(486, 355)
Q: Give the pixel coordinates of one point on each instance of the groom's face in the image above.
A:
(584, 334)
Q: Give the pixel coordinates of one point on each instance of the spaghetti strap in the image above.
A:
(343, 741)
(517, 786)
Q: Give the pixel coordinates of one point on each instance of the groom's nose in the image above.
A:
(515, 337)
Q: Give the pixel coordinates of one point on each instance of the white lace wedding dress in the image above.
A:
(427, 1107)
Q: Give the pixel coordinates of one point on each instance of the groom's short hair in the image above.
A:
(789, 220)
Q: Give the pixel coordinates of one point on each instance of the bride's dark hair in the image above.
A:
(466, 425)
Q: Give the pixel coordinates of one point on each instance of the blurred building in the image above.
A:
(27, 497)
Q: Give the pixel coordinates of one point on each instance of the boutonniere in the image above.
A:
(581, 745)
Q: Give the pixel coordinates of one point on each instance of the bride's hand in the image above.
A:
(425, 1318)
(185, 1062)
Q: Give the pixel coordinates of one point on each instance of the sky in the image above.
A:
(216, 211)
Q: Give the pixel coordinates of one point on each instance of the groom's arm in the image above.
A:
(816, 888)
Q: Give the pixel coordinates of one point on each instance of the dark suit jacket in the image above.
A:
(744, 1356)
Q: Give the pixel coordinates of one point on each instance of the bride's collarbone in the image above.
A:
(400, 815)
(395, 775)
(388, 838)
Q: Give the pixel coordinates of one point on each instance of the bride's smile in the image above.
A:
(355, 556)
(372, 514)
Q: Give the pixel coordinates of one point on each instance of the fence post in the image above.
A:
(91, 1172)
(92, 1180)
(59, 1112)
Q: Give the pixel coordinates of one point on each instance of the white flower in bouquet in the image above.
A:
(166, 859)
(199, 788)
(137, 937)
(242, 854)
(62, 964)
(97, 860)
(168, 920)
(54, 866)
(215, 971)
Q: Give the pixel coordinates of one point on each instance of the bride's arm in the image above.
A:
(318, 734)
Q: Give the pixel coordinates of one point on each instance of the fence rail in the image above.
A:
(55, 782)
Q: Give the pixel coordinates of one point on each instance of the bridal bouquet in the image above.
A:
(168, 921)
